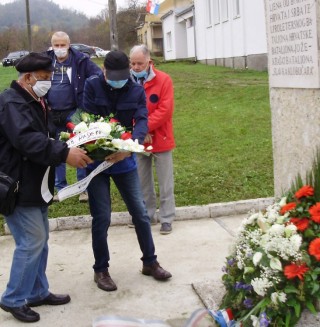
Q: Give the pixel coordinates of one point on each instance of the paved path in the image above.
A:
(193, 253)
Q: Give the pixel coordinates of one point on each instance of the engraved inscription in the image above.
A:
(292, 43)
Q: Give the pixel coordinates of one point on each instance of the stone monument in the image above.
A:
(293, 29)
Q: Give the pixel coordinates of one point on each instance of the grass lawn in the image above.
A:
(222, 124)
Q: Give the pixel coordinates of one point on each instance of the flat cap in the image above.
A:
(116, 64)
(32, 62)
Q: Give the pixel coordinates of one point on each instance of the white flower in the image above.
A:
(290, 230)
(295, 241)
(276, 229)
(256, 258)
(275, 264)
(261, 285)
(255, 321)
(278, 297)
(264, 226)
(283, 201)
(80, 128)
(251, 219)
(105, 128)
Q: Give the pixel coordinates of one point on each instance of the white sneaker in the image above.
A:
(83, 197)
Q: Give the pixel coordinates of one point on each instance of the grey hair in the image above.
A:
(141, 48)
(62, 35)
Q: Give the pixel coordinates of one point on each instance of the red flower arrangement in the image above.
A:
(288, 207)
(314, 248)
(294, 270)
(304, 191)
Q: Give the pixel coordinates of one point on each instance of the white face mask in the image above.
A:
(60, 52)
(41, 88)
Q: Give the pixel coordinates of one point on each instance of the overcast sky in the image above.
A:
(90, 8)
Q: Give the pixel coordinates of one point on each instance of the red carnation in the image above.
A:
(314, 248)
(315, 213)
(287, 207)
(293, 271)
(126, 136)
(301, 223)
(304, 191)
(70, 126)
(113, 120)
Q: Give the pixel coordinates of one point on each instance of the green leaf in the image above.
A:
(291, 289)
(311, 307)
(297, 309)
(309, 233)
(315, 288)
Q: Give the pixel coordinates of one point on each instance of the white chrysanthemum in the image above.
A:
(278, 297)
(276, 229)
(133, 146)
(257, 258)
(117, 143)
(252, 219)
(295, 241)
(80, 128)
(104, 127)
(261, 285)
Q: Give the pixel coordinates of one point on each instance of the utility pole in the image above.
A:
(28, 26)
(113, 24)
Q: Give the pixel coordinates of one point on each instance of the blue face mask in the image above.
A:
(142, 74)
(117, 84)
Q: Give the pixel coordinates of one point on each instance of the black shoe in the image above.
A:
(166, 228)
(51, 299)
(23, 313)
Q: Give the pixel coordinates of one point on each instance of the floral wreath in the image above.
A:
(100, 136)
(273, 271)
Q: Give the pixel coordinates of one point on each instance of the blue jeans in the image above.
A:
(60, 178)
(100, 207)
(28, 281)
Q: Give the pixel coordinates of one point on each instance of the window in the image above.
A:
(216, 12)
(208, 13)
(224, 10)
(169, 41)
(236, 8)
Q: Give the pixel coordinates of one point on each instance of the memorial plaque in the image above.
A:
(292, 43)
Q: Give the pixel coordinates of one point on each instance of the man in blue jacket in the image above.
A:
(71, 69)
(113, 92)
(28, 153)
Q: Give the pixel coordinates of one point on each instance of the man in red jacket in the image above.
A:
(160, 103)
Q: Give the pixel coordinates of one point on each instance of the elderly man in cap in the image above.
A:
(113, 92)
(28, 153)
(71, 68)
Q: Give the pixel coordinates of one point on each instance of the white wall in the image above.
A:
(236, 36)
(168, 25)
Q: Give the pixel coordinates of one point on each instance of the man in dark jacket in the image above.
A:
(71, 69)
(113, 92)
(29, 154)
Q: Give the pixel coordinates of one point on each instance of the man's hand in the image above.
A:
(77, 158)
(148, 138)
(117, 156)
